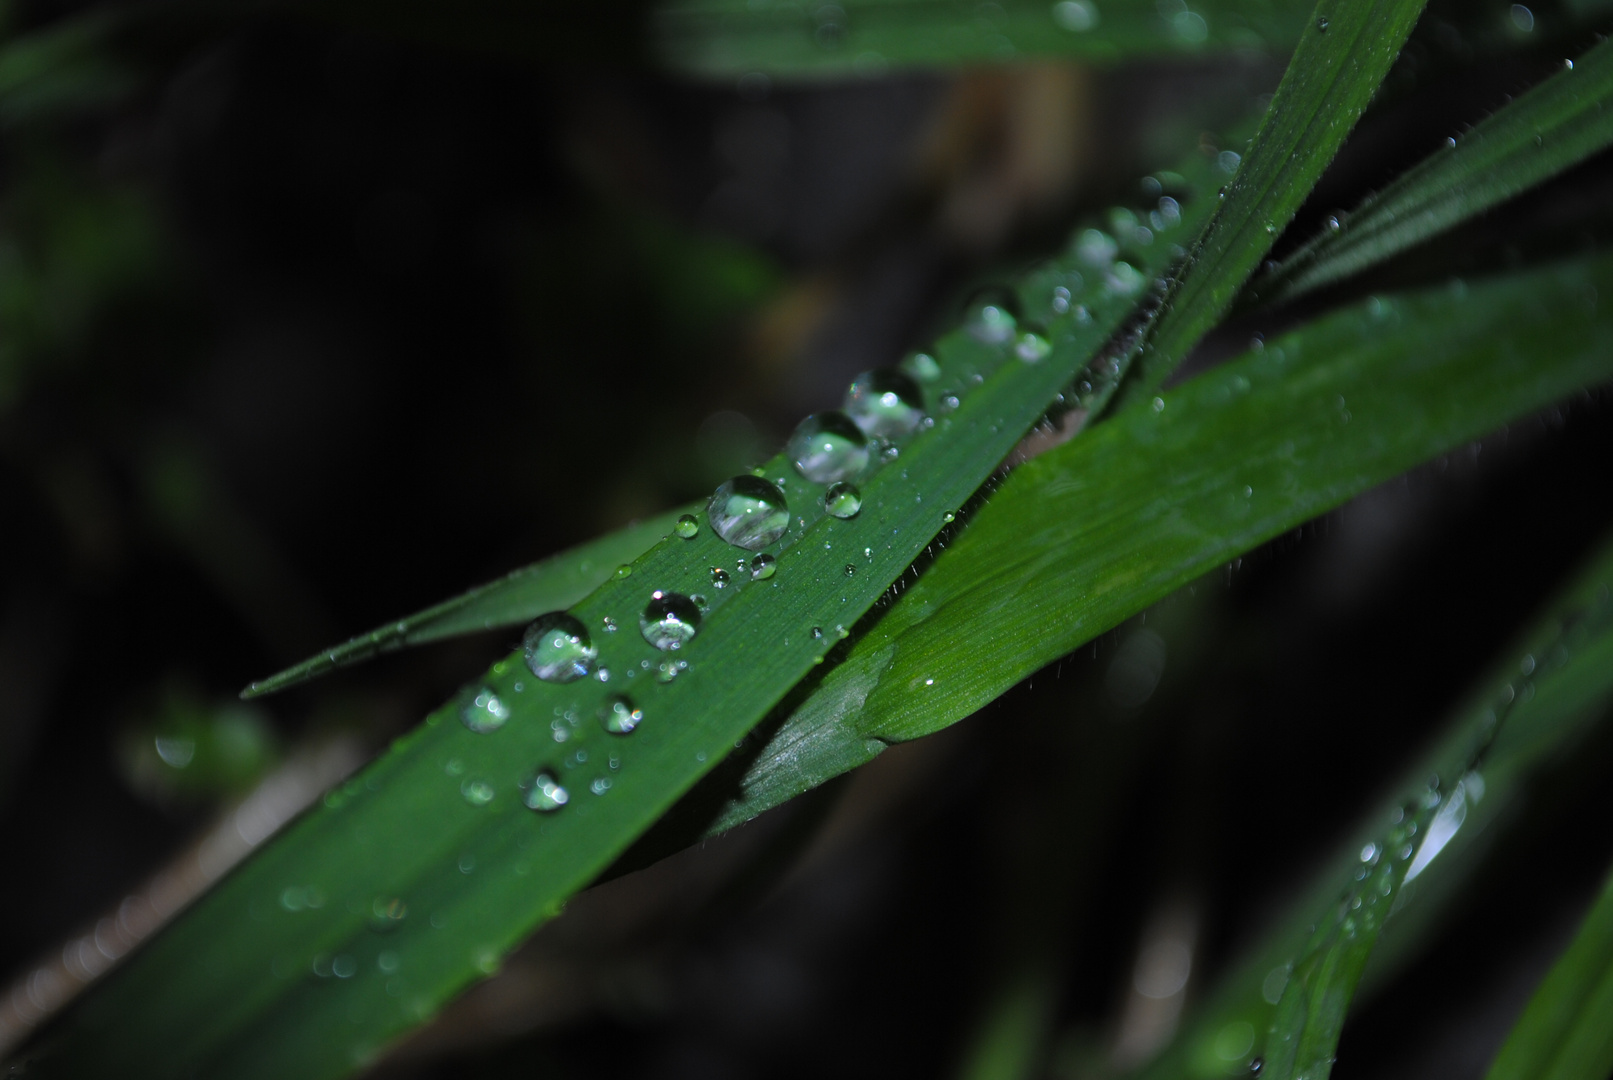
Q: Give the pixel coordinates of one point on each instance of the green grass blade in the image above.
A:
(1566, 1031)
(1085, 535)
(1554, 126)
(516, 598)
(437, 827)
(1510, 729)
(1342, 57)
(725, 38)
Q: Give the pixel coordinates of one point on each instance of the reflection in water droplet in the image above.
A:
(762, 567)
(826, 447)
(748, 512)
(482, 711)
(558, 648)
(546, 795)
(842, 501)
(670, 620)
(477, 792)
(885, 404)
(619, 715)
(688, 525)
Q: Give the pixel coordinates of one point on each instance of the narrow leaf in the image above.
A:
(1553, 127)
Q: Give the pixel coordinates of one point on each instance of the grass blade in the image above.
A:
(725, 38)
(1082, 536)
(1553, 127)
(1564, 1032)
(1342, 57)
(516, 598)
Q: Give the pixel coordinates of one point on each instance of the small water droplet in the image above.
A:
(687, 527)
(482, 711)
(1076, 16)
(667, 670)
(922, 367)
(477, 792)
(1522, 18)
(558, 648)
(748, 512)
(609, 624)
(619, 715)
(546, 795)
(1159, 404)
(1032, 347)
(670, 620)
(1227, 161)
(762, 567)
(949, 403)
(599, 785)
(1321, 24)
(817, 632)
(949, 517)
(624, 570)
(719, 577)
(1096, 248)
(842, 500)
(1333, 224)
(885, 404)
(990, 322)
(826, 447)
(851, 571)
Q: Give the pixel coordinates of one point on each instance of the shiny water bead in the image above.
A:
(1032, 347)
(826, 447)
(1124, 279)
(687, 526)
(477, 792)
(670, 620)
(619, 715)
(482, 711)
(762, 567)
(558, 648)
(719, 577)
(990, 322)
(921, 367)
(885, 404)
(546, 795)
(748, 512)
(1077, 16)
(842, 501)
(1096, 248)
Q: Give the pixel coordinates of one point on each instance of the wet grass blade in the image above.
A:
(1553, 127)
(416, 877)
(726, 38)
(1343, 55)
(1085, 535)
(1566, 1031)
(514, 599)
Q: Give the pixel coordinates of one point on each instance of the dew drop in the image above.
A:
(921, 367)
(482, 711)
(990, 323)
(748, 512)
(1076, 16)
(477, 792)
(670, 620)
(619, 715)
(1321, 24)
(688, 525)
(1096, 248)
(851, 571)
(885, 404)
(719, 578)
(667, 670)
(1032, 347)
(546, 795)
(763, 567)
(949, 517)
(558, 648)
(827, 447)
(842, 500)
(817, 632)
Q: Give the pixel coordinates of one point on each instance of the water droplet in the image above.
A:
(748, 512)
(599, 785)
(1227, 161)
(1124, 279)
(922, 367)
(477, 792)
(558, 648)
(624, 571)
(950, 403)
(608, 623)
(483, 712)
(546, 795)
(1032, 347)
(1257, 1064)
(667, 670)
(1321, 24)
(1333, 224)
(344, 966)
(842, 500)
(991, 323)
(619, 715)
(719, 577)
(885, 404)
(762, 567)
(851, 571)
(1096, 248)
(1522, 18)
(826, 447)
(949, 517)
(1159, 404)
(817, 632)
(670, 620)
(1076, 16)
(1190, 27)
(687, 527)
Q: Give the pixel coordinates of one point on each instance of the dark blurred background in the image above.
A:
(305, 325)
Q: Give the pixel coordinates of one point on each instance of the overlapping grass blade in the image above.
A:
(1285, 1002)
(1078, 539)
(733, 37)
(1553, 127)
(1342, 57)
(519, 596)
(1566, 1031)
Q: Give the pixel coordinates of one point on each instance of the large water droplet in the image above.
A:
(885, 404)
(763, 567)
(748, 512)
(619, 715)
(688, 525)
(558, 648)
(842, 501)
(482, 711)
(670, 620)
(827, 447)
(546, 795)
